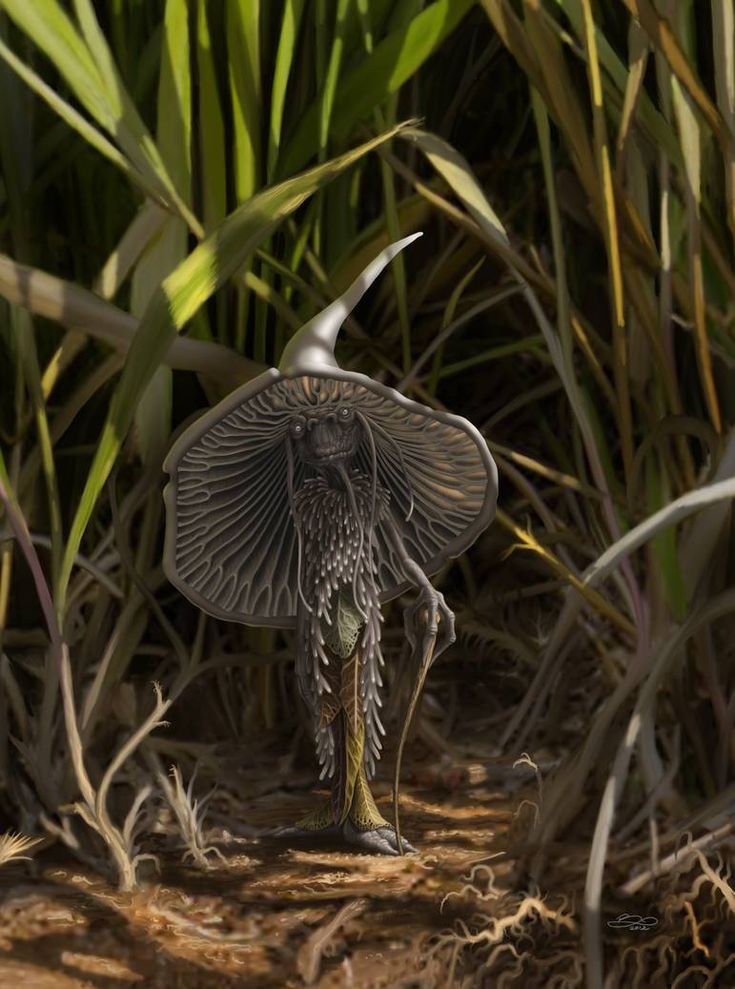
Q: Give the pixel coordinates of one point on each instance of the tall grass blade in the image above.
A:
(243, 42)
(290, 23)
(447, 319)
(617, 81)
(174, 124)
(637, 61)
(51, 30)
(661, 34)
(562, 100)
(145, 226)
(620, 345)
(691, 150)
(332, 75)
(215, 260)
(173, 134)
(393, 61)
(212, 155)
(90, 72)
(510, 30)
(79, 309)
(723, 42)
(670, 515)
(75, 119)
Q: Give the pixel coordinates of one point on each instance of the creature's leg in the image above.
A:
(362, 823)
(366, 827)
(347, 736)
(351, 808)
(319, 820)
(324, 819)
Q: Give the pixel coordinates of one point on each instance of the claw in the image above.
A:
(429, 615)
(377, 841)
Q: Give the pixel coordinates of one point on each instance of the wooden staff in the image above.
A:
(429, 639)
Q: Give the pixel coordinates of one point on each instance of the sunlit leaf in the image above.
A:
(178, 299)
(394, 60)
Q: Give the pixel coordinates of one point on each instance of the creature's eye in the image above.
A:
(344, 412)
(298, 426)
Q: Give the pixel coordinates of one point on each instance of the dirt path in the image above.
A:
(277, 914)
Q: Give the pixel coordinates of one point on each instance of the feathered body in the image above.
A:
(339, 659)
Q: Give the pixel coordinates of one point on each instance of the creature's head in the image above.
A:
(326, 438)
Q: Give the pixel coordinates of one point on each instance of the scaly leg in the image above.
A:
(366, 827)
(351, 809)
(320, 820)
(362, 823)
(323, 820)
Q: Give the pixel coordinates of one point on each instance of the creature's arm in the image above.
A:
(438, 615)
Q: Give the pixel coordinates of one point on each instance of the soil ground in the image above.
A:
(277, 912)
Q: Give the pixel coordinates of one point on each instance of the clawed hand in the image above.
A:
(430, 618)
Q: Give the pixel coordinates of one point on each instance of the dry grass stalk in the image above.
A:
(13, 847)
(309, 958)
(189, 814)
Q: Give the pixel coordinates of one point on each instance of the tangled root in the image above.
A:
(508, 938)
(696, 946)
(503, 938)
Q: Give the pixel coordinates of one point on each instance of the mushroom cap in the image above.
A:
(231, 544)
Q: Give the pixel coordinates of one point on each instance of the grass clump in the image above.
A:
(184, 184)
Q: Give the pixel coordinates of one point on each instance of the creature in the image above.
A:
(305, 500)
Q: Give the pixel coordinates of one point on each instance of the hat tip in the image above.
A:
(313, 345)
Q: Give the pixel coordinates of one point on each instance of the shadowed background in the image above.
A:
(182, 185)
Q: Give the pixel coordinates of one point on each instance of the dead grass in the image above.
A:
(271, 913)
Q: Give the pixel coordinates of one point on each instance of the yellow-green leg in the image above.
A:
(319, 819)
(363, 825)
(351, 808)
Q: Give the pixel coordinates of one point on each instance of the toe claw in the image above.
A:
(378, 841)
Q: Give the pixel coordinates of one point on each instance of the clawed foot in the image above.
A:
(377, 841)
(381, 840)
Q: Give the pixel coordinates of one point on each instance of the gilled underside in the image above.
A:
(233, 547)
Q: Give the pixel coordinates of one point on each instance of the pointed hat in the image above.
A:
(231, 545)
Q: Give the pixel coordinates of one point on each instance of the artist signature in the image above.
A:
(633, 922)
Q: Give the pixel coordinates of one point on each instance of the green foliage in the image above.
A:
(185, 182)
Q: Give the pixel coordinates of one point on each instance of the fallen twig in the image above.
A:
(309, 958)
